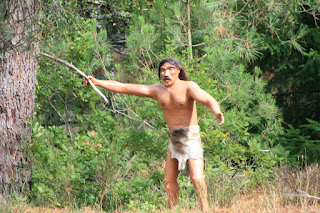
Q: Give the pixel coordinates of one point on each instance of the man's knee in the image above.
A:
(197, 178)
(170, 183)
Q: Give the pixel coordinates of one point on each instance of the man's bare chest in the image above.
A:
(173, 99)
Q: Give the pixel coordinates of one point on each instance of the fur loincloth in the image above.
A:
(185, 143)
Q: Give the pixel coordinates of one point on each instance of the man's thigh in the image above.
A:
(171, 169)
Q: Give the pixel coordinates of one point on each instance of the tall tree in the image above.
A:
(18, 67)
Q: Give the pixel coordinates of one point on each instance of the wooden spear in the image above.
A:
(79, 71)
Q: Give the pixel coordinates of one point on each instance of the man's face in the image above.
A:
(169, 73)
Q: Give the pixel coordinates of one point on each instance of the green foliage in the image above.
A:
(251, 115)
(86, 152)
(80, 47)
(302, 143)
(105, 167)
(289, 47)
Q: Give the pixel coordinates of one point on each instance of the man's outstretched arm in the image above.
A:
(203, 98)
(129, 89)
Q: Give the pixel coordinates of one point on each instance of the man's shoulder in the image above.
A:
(156, 85)
(190, 84)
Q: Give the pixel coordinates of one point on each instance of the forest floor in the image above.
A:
(254, 202)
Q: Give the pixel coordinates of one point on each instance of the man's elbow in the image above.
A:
(214, 106)
(206, 103)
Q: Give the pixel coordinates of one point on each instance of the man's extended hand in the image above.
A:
(85, 81)
(220, 118)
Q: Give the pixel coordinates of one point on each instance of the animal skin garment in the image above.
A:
(185, 143)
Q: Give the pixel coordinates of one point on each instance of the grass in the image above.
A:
(287, 192)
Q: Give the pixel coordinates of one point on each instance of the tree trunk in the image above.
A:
(189, 30)
(18, 67)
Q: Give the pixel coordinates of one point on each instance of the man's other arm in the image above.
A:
(203, 98)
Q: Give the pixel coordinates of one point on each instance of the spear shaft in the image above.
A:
(79, 71)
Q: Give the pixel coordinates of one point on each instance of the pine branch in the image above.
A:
(196, 45)
(79, 71)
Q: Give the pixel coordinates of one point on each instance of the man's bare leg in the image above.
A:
(197, 176)
(170, 180)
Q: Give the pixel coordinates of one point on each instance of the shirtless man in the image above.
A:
(177, 98)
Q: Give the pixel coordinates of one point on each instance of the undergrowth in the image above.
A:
(291, 189)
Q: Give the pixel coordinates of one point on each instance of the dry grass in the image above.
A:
(287, 193)
(254, 202)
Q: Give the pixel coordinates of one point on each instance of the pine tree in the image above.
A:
(18, 67)
(223, 47)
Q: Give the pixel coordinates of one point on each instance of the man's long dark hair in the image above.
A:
(175, 62)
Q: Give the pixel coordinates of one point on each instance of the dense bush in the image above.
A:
(302, 143)
(87, 152)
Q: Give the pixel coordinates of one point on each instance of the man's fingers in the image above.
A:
(220, 119)
(85, 81)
